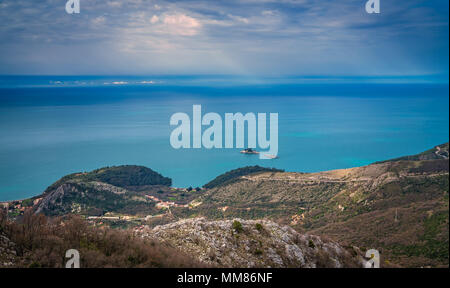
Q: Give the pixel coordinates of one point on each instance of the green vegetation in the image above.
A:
(259, 227)
(120, 189)
(435, 166)
(120, 176)
(237, 226)
(366, 206)
(426, 155)
(258, 252)
(27, 202)
(229, 176)
(435, 244)
(85, 199)
(130, 175)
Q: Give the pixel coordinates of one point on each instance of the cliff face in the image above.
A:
(119, 189)
(92, 198)
(252, 243)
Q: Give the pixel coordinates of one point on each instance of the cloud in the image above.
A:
(239, 19)
(233, 36)
(114, 4)
(268, 12)
(99, 20)
(154, 19)
(181, 24)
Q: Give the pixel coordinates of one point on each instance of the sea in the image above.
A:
(51, 126)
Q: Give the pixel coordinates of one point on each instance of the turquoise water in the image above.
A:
(49, 130)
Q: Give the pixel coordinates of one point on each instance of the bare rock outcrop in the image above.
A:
(7, 252)
(252, 243)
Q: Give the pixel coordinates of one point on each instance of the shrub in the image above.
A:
(323, 260)
(259, 227)
(237, 226)
(121, 176)
(42, 242)
(258, 252)
(236, 173)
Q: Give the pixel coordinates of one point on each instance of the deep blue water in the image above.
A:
(52, 126)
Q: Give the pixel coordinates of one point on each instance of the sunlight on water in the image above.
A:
(48, 133)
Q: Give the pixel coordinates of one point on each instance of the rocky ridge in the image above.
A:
(252, 243)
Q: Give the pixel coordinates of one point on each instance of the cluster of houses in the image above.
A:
(297, 219)
(160, 204)
(15, 207)
(19, 207)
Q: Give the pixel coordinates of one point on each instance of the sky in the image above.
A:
(246, 37)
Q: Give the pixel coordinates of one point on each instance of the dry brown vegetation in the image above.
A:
(399, 208)
(42, 242)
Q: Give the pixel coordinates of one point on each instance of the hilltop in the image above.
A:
(230, 176)
(121, 189)
(437, 152)
(120, 176)
(398, 206)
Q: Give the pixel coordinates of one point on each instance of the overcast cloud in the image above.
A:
(250, 37)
